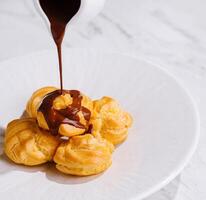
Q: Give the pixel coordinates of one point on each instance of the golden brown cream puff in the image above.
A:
(26, 144)
(62, 102)
(84, 155)
(110, 120)
(35, 100)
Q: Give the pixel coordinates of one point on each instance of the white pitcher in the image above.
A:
(88, 10)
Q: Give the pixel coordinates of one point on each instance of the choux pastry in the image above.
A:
(84, 155)
(26, 144)
(110, 120)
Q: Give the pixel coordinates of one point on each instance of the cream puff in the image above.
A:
(110, 120)
(25, 143)
(84, 155)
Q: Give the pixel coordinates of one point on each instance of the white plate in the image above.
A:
(160, 143)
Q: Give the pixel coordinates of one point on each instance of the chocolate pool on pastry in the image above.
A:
(64, 112)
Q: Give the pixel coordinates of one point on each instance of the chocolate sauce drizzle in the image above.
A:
(69, 115)
(59, 13)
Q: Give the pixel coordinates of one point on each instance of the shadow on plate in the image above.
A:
(49, 169)
(1, 139)
(52, 174)
(169, 192)
(24, 115)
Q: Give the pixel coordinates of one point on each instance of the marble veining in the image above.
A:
(117, 25)
(160, 15)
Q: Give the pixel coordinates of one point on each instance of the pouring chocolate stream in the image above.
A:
(59, 13)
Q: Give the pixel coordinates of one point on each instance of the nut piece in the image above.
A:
(84, 155)
(26, 144)
(110, 120)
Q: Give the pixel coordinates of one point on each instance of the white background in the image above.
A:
(168, 33)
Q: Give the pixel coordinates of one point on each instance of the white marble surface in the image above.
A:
(169, 33)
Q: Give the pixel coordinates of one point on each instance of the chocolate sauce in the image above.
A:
(59, 13)
(69, 115)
